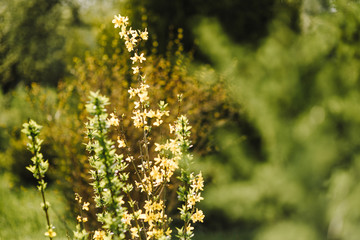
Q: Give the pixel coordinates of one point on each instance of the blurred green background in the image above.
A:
(271, 87)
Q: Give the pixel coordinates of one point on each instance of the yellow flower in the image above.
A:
(113, 121)
(198, 216)
(99, 235)
(129, 159)
(129, 46)
(198, 183)
(121, 143)
(50, 233)
(143, 96)
(132, 92)
(158, 122)
(127, 218)
(85, 219)
(86, 206)
(136, 58)
(78, 198)
(134, 232)
(78, 218)
(120, 21)
(135, 69)
(144, 34)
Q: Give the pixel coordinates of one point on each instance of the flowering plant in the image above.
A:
(153, 167)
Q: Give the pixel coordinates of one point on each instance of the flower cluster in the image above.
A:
(38, 168)
(155, 171)
(190, 192)
(81, 233)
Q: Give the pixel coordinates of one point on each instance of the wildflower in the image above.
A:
(172, 128)
(123, 32)
(134, 232)
(137, 105)
(50, 233)
(144, 34)
(151, 114)
(121, 143)
(85, 219)
(132, 92)
(113, 121)
(143, 96)
(126, 218)
(86, 206)
(136, 58)
(198, 216)
(129, 159)
(99, 235)
(158, 122)
(78, 198)
(135, 69)
(133, 33)
(78, 218)
(129, 46)
(198, 183)
(120, 21)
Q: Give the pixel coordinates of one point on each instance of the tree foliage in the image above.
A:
(299, 93)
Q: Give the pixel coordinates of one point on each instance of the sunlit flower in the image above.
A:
(113, 121)
(50, 233)
(144, 34)
(120, 21)
(136, 58)
(86, 206)
(129, 159)
(121, 143)
(99, 235)
(129, 46)
(197, 216)
(134, 232)
(135, 69)
(143, 96)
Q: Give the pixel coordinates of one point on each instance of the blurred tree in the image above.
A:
(32, 41)
(291, 169)
(244, 21)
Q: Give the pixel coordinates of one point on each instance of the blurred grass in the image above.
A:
(22, 218)
(219, 235)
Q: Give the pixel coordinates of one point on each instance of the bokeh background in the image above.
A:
(271, 88)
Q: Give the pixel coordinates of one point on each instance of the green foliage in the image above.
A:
(299, 94)
(20, 216)
(243, 21)
(32, 45)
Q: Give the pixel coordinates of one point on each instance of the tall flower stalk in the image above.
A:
(109, 179)
(38, 168)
